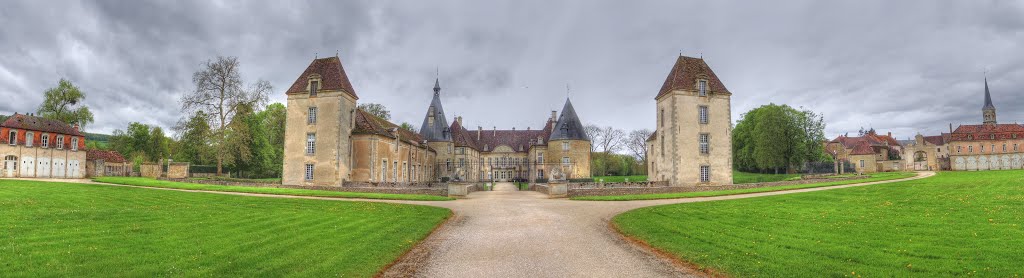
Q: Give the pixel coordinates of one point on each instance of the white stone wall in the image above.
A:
(38, 162)
(987, 162)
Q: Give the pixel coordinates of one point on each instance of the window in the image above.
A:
(310, 143)
(12, 137)
(394, 176)
(1004, 147)
(958, 148)
(703, 117)
(462, 162)
(565, 160)
(74, 144)
(28, 138)
(970, 149)
(661, 117)
(309, 172)
(405, 171)
(384, 170)
(1014, 147)
(982, 148)
(565, 146)
(540, 157)
(704, 149)
(449, 149)
(314, 86)
(45, 142)
(702, 88)
(312, 116)
(705, 173)
(540, 174)
(861, 163)
(662, 145)
(60, 142)
(993, 148)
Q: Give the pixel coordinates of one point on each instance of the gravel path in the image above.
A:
(511, 233)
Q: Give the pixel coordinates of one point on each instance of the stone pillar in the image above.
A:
(458, 190)
(558, 189)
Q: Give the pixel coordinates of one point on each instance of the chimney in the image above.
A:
(890, 134)
(513, 128)
(479, 129)
(950, 128)
(495, 133)
(554, 115)
(459, 120)
(75, 126)
(527, 128)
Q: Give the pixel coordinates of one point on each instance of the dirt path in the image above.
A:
(511, 233)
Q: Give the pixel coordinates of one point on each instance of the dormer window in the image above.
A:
(314, 87)
(12, 137)
(702, 88)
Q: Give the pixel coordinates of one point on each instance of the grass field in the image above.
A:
(874, 177)
(953, 224)
(620, 178)
(266, 190)
(744, 177)
(78, 230)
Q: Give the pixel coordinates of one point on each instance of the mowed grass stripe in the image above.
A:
(56, 229)
(148, 182)
(954, 224)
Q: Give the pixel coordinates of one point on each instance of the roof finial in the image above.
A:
(680, 53)
(336, 52)
(702, 55)
(567, 90)
(316, 55)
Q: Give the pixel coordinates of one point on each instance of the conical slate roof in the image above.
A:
(988, 97)
(438, 131)
(569, 126)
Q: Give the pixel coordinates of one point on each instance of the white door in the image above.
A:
(44, 168)
(9, 168)
(73, 169)
(28, 167)
(58, 168)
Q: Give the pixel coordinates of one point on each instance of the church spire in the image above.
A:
(437, 86)
(989, 110)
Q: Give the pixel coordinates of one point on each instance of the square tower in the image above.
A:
(692, 144)
(318, 127)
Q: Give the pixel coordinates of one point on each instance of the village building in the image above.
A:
(328, 141)
(692, 144)
(35, 147)
(927, 153)
(869, 152)
(101, 163)
(988, 146)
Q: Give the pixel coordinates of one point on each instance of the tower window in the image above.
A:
(705, 173)
(314, 87)
(703, 114)
(702, 88)
(703, 140)
(311, 143)
(565, 146)
(312, 116)
(309, 172)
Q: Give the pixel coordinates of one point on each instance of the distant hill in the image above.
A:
(96, 137)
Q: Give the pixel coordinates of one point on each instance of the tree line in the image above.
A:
(607, 143)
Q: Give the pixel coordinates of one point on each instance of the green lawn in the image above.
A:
(744, 177)
(874, 177)
(266, 190)
(80, 230)
(954, 224)
(620, 178)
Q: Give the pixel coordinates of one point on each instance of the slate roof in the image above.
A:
(988, 97)
(26, 122)
(462, 137)
(369, 124)
(654, 135)
(987, 132)
(332, 77)
(439, 131)
(684, 75)
(106, 156)
(569, 126)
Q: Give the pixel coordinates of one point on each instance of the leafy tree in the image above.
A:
(132, 142)
(219, 93)
(194, 140)
(376, 109)
(3, 118)
(777, 137)
(408, 126)
(62, 104)
(158, 147)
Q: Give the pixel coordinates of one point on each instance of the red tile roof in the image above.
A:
(332, 76)
(685, 73)
(367, 123)
(870, 143)
(106, 156)
(518, 140)
(987, 132)
(937, 140)
(26, 122)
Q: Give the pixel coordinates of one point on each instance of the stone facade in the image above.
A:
(150, 170)
(927, 153)
(692, 144)
(177, 170)
(869, 153)
(34, 147)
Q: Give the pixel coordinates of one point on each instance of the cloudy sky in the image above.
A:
(900, 66)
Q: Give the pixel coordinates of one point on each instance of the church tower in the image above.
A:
(989, 110)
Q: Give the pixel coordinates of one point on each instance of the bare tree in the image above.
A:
(611, 139)
(594, 132)
(219, 93)
(636, 143)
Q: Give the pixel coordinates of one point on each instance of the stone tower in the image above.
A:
(692, 144)
(569, 143)
(318, 125)
(435, 129)
(989, 110)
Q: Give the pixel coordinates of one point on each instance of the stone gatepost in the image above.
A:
(458, 190)
(558, 189)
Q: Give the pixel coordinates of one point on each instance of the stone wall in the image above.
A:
(590, 185)
(177, 170)
(575, 190)
(539, 187)
(150, 170)
(437, 191)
